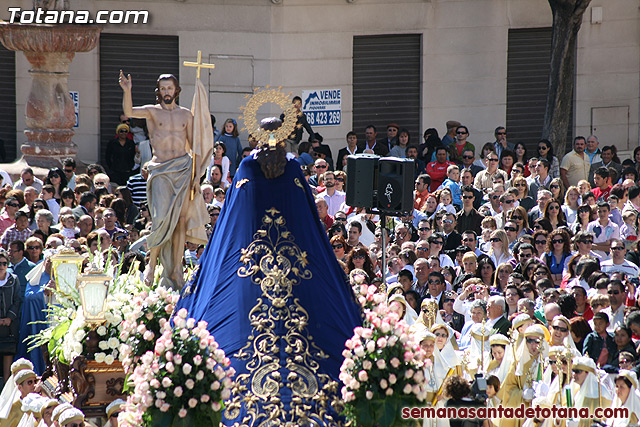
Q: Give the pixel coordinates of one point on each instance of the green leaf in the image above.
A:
(187, 421)
(391, 410)
(160, 419)
(364, 412)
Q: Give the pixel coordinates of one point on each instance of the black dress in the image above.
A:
(10, 307)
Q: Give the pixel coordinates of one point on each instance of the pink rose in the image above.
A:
(182, 412)
(383, 384)
(362, 376)
(204, 398)
(395, 362)
(369, 395)
(382, 342)
(177, 359)
(186, 369)
(381, 364)
(177, 392)
(371, 346)
(197, 360)
(184, 334)
(169, 367)
(216, 406)
(192, 402)
(189, 384)
(392, 379)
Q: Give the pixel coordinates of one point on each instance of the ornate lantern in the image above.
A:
(94, 288)
(66, 266)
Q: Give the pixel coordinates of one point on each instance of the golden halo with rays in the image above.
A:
(258, 99)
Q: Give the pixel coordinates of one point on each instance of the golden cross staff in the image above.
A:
(198, 64)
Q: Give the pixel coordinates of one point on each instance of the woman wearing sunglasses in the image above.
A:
(553, 212)
(524, 200)
(499, 251)
(545, 150)
(340, 247)
(583, 217)
(558, 254)
(58, 179)
(540, 238)
(557, 189)
(359, 258)
(519, 217)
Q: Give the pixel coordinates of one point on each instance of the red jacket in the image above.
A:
(438, 173)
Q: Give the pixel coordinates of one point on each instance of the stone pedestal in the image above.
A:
(49, 112)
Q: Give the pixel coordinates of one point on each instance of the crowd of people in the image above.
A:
(526, 260)
(512, 265)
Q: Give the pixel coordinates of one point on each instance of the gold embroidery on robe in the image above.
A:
(275, 263)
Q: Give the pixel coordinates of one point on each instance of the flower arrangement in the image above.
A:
(182, 382)
(383, 366)
(144, 317)
(67, 334)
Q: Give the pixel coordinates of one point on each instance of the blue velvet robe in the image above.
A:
(33, 308)
(275, 299)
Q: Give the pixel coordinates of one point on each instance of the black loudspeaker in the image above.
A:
(362, 170)
(395, 185)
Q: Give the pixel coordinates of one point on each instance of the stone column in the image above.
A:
(49, 111)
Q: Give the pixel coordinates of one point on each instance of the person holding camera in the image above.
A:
(459, 391)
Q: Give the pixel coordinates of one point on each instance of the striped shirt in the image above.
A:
(138, 187)
(11, 234)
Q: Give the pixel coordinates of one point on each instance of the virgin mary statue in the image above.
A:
(274, 296)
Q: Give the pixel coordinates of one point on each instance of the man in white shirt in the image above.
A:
(333, 197)
(615, 311)
(604, 230)
(617, 263)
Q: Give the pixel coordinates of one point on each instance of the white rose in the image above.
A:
(113, 342)
(100, 357)
(103, 345)
(77, 347)
(79, 335)
(109, 359)
(102, 331)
